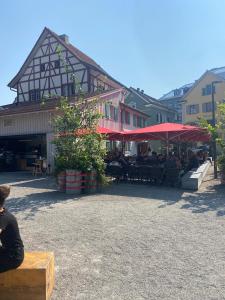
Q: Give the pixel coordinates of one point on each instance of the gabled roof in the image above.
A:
(76, 52)
(170, 95)
(218, 72)
(133, 109)
(149, 100)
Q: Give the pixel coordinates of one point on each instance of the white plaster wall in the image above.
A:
(32, 123)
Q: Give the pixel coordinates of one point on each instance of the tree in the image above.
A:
(218, 133)
(78, 145)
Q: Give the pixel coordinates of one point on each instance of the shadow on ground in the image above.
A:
(34, 202)
(210, 199)
(25, 179)
(213, 199)
(36, 199)
(170, 195)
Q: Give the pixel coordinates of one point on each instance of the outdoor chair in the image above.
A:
(37, 167)
(156, 175)
(134, 173)
(145, 173)
(172, 177)
(115, 172)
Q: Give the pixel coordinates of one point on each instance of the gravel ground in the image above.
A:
(130, 242)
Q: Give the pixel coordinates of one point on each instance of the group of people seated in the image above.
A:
(171, 161)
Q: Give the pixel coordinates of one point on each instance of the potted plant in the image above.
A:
(79, 148)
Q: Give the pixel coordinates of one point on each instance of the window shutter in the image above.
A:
(204, 107)
(123, 116)
(188, 109)
(135, 120)
(111, 112)
(106, 110)
(197, 108)
(115, 113)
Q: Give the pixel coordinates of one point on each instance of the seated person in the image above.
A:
(11, 250)
(193, 162)
(171, 162)
(161, 160)
(139, 159)
(154, 155)
(206, 157)
(200, 157)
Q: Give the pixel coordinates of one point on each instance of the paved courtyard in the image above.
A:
(130, 242)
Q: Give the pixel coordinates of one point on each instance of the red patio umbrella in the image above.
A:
(168, 132)
(110, 134)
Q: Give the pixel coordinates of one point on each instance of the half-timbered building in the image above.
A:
(52, 67)
(49, 72)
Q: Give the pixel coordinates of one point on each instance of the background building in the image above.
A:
(173, 99)
(48, 73)
(197, 102)
(156, 111)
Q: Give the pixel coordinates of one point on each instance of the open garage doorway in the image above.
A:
(19, 153)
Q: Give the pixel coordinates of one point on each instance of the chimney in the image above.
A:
(142, 91)
(65, 38)
(138, 89)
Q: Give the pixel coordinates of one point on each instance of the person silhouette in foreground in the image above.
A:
(11, 249)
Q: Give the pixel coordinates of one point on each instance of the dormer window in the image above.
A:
(57, 64)
(177, 92)
(133, 104)
(34, 95)
(42, 67)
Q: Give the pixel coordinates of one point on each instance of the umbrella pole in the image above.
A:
(167, 144)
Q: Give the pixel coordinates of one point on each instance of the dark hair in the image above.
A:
(4, 193)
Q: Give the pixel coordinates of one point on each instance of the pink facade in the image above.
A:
(117, 115)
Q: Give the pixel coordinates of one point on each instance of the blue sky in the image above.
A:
(156, 45)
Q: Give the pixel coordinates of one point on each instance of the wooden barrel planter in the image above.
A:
(73, 182)
(61, 178)
(90, 182)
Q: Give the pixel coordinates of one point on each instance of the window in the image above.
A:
(207, 107)
(192, 109)
(68, 90)
(177, 92)
(127, 117)
(42, 67)
(133, 104)
(208, 90)
(122, 116)
(139, 121)
(57, 64)
(107, 110)
(134, 120)
(112, 112)
(115, 114)
(185, 90)
(34, 95)
(159, 117)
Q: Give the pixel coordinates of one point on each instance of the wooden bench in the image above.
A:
(33, 280)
